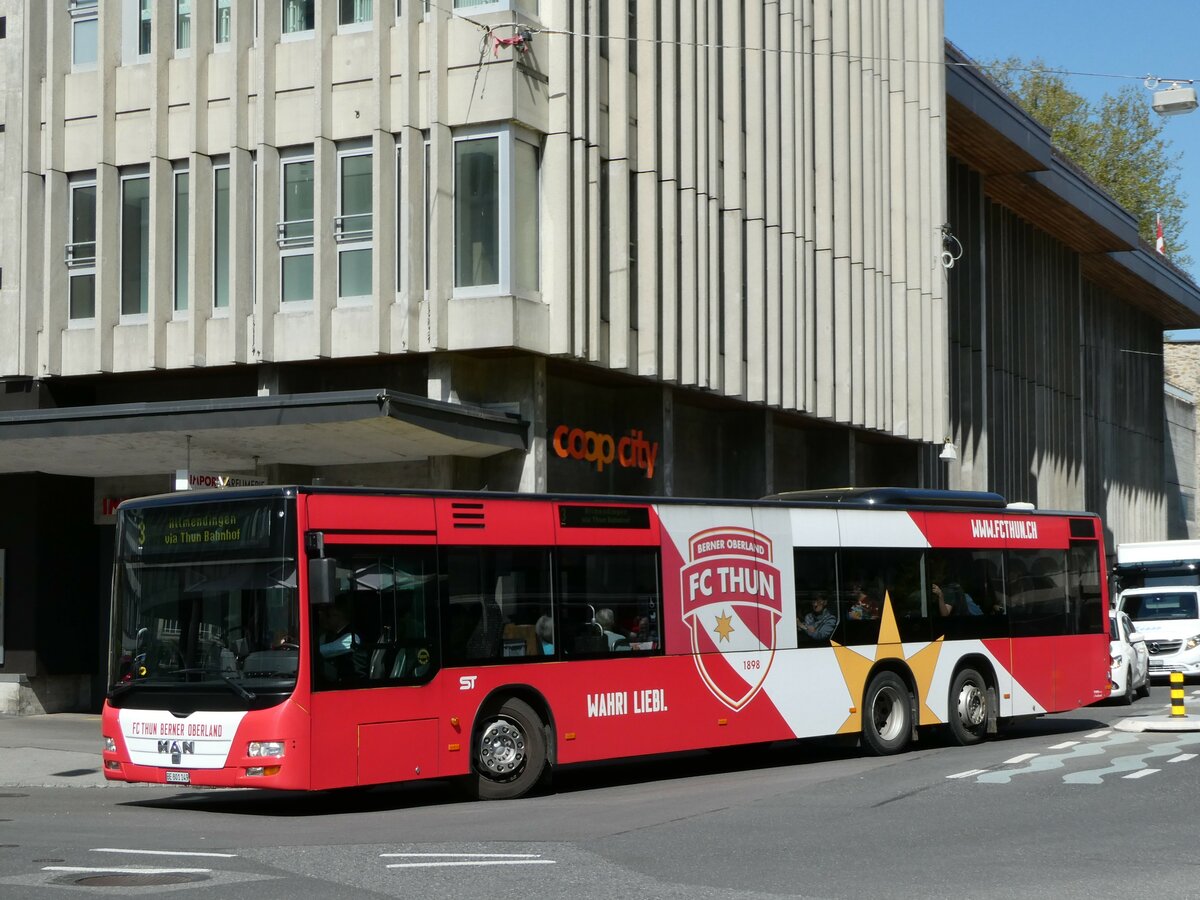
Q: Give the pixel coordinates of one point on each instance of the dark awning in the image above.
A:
(234, 433)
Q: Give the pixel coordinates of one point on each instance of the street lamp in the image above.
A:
(1176, 100)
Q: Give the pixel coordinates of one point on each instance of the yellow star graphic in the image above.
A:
(724, 627)
(855, 664)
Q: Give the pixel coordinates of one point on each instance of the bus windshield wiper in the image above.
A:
(233, 685)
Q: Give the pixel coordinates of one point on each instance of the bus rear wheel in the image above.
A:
(510, 752)
(887, 714)
(969, 707)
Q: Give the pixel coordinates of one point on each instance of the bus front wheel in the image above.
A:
(969, 707)
(887, 714)
(510, 751)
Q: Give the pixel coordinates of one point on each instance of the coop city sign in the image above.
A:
(631, 451)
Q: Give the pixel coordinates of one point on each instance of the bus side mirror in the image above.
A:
(322, 580)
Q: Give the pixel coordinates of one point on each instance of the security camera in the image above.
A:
(1174, 101)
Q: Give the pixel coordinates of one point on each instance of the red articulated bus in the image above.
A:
(307, 638)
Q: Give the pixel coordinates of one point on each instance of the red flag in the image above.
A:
(1159, 244)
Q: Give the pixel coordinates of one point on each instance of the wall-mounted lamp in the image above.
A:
(1176, 100)
(948, 451)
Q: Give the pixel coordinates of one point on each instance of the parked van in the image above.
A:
(1169, 618)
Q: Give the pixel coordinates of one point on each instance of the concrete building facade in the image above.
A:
(523, 245)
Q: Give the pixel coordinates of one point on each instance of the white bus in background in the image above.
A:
(1157, 583)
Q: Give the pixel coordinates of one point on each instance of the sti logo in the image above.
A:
(177, 749)
(732, 607)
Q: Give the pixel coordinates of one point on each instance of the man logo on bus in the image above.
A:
(732, 607)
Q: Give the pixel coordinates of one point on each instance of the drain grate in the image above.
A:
(134, 880)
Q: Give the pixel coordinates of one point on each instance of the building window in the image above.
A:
(143, 27)
(295, 229)
(81, 251)
(298, 17)
(224, 22)
(482, 6)
(477, 212)
(135, 244)
(183, 24)
(527, 230)
(354, 12)
(400, 242)
(84, 33)
(352, 228)
(182, 186)
(496, 203)
(221, 236)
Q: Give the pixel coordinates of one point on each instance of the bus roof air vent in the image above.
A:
(895, 496)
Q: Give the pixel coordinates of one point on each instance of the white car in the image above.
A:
(1169, 619)
(1130, 675)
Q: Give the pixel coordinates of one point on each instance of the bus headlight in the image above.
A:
(1192, 643)
(110, 746)
(265, 748)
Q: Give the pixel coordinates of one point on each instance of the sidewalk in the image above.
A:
(57, 750)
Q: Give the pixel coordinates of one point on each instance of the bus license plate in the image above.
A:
(179, 778)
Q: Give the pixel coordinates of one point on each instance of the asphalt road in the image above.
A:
(1063, 806)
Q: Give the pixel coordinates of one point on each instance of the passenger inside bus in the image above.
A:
(818, 624)
(608, 625)
(862, 607)
(340, 648)
(544, 627)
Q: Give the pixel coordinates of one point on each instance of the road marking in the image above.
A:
(1182, 757)
(1019, 759)
(1064, 745)
(164, 852)
(473, 862)
(1098, 734)
(465, 855)
(126, 870)
(968, 773)
(1141, 773)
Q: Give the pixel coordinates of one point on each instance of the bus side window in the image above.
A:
(817, 617)
(610, 600)
(493, 599)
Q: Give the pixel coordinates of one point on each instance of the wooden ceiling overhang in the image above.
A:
(987, 131)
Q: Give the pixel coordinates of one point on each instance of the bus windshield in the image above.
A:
(205, 599)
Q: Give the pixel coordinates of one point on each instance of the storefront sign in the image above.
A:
(632, 451)
(185, 480)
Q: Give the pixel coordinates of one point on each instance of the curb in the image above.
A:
(1159, 723)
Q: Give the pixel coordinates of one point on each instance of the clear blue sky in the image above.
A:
(1099, 36)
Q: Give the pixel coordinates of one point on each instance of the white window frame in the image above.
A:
(131, 32)
(286, 36)
(473, 8)
(137, 174)
(222, 163)
(295, 246)
(79, 264)
(177, 312)
(82, 11)
(507, 136)
(346, 236)
(353, 27)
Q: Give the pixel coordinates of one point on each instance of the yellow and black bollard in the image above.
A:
(1177, 710)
